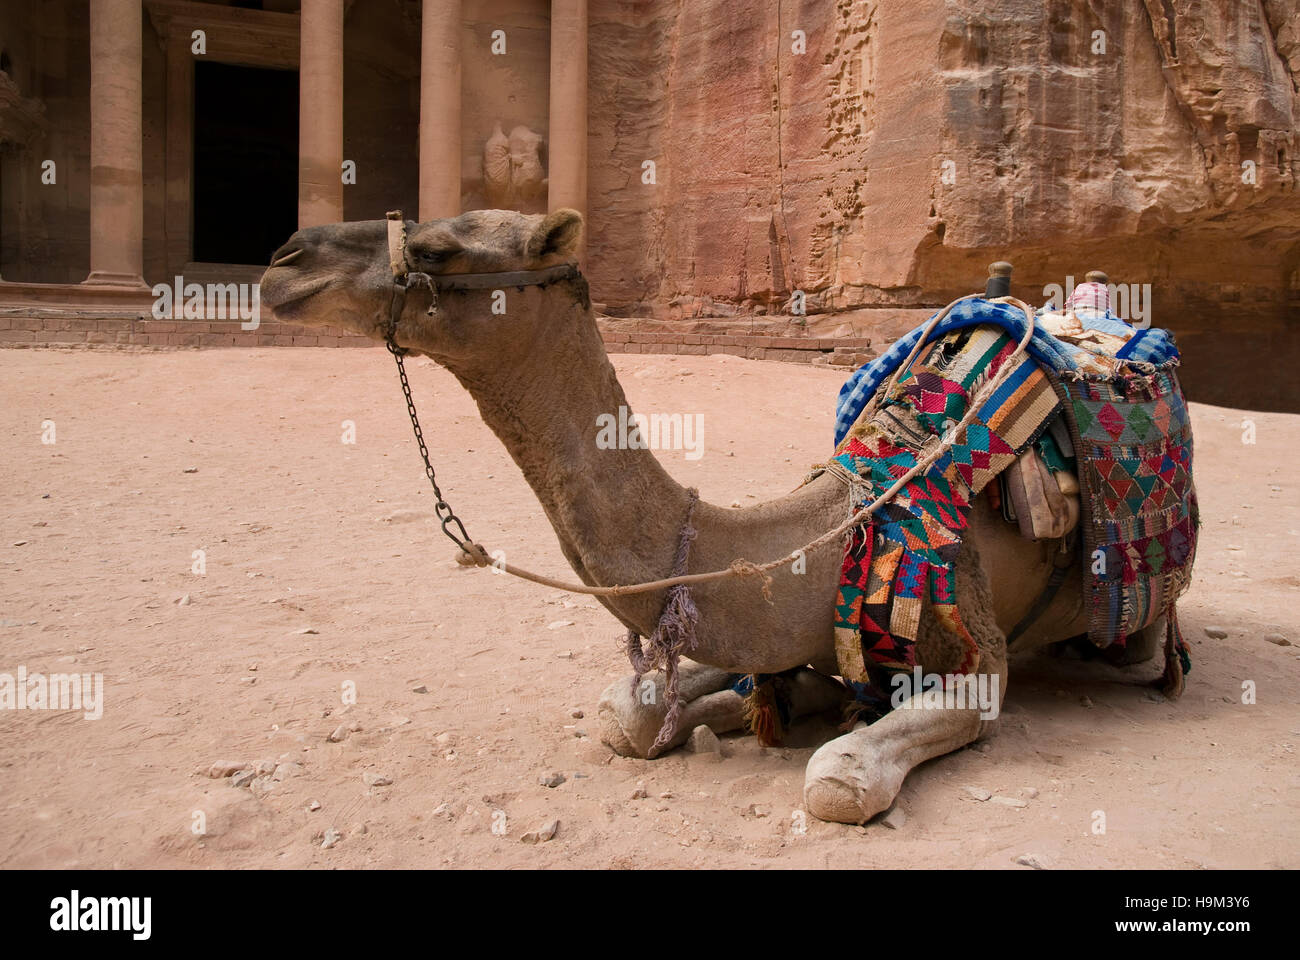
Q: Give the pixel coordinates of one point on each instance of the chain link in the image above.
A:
(442, 508)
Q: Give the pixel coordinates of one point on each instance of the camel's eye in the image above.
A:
(437, 256)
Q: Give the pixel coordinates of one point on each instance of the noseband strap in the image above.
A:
(404, 277)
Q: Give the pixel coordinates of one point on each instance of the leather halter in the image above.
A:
(403, 277)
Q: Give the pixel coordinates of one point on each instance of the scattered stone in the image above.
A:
(577, 714)
(184, 601)
(306, 630)
(704, 740)
(443, 739)
(565, 655)
(420, 689)
(332, 837)
(224, 768)
(559, 624)
(1278, 638)
(354, 726)
(285, 771)
(360, 829)
(1031, 792)
(579, 732)
(639, 793)
(1085, 701)
(262, 785)
(20, 543)
(542, 835)
(442, 810)
(977, 793)
(1216, 633)
(376, 780)
(553, 779)
(266, 768)
(339, 735)
(190, 470)
(313, 806)
(1029, 860)
(894, 818)
(242, 779)
(1011, 802)
(758, 811)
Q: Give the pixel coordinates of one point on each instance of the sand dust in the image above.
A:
(323, 570)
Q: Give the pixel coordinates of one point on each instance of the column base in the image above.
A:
(106, 278)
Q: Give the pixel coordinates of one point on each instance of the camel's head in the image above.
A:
(340, 275)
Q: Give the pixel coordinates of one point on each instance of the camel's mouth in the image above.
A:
(284, 292)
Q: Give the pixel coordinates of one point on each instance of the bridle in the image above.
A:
(403, 278)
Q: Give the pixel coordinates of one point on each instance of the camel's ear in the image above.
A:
(558, 233)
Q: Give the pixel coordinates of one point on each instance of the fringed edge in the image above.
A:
(1178, 660)
(762, 712)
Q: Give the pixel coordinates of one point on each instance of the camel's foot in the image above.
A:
(850, 780)
(630, 719)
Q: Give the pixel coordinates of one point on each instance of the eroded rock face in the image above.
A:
(914, 141)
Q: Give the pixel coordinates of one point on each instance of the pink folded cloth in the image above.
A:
(1090, 296)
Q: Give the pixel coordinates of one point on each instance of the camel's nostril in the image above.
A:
(285, 256)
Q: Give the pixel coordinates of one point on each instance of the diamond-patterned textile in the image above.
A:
(1133, 442)
(904, 556)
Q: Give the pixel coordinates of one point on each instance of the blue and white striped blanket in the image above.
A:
(1153, 346)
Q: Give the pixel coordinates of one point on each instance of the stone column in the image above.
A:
(116, 144)
(320, 113)
(567, 134)
(440, 109)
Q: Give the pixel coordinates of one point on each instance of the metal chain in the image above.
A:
(442, 508)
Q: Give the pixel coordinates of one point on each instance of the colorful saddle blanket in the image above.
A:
(1132, 440)
(905, 556)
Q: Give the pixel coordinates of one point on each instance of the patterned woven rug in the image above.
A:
(905, 556)
(1133, 441)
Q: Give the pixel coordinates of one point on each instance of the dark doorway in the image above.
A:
(245, 162)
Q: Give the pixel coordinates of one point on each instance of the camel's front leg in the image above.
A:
(630, 719)
(854, 777)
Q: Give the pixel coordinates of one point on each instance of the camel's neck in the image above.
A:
(616, 511)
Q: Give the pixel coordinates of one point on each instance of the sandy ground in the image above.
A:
(323, 572)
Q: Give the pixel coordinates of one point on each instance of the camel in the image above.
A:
(541, 379)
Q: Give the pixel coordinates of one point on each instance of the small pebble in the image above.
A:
(339, 735)
(1029, 860)
(1216, 633)
(376, 780)
(894, 818)
(577, 714)
(420, 689)
(977, 793)
(242, 779)
(224, 768)
(553, 779)
(1278, 638)
(545, 833)
(313, 806)
(332, 837)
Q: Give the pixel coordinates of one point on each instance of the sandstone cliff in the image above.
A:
(913, 141)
